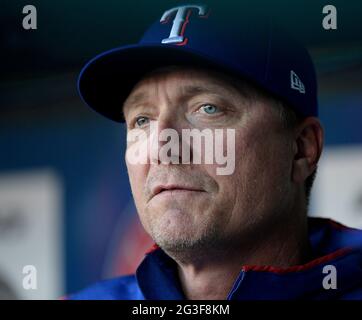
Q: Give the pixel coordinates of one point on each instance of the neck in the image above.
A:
(212, 275)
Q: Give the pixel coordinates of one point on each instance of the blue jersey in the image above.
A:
(333, 245)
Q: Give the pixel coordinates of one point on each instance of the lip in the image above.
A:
(174, 189)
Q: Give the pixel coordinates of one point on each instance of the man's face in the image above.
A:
(202, 208)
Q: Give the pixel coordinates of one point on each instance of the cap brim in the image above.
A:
(105, 82)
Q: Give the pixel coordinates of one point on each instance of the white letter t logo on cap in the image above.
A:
(176, 34)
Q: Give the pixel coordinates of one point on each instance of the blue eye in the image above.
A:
(141, 121)
(209, 108)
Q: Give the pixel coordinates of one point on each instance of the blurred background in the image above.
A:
(65, 201)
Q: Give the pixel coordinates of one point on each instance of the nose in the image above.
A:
(166, 138)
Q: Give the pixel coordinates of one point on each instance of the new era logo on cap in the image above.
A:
(296, 83)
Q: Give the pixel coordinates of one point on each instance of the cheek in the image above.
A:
(137, 176)
(262, 167)
(136, 160)
(227, 167)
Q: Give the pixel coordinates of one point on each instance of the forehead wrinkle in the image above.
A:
(136, 98)
(193, 81)
(188, 85)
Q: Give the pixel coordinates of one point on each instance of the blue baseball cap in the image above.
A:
(194, 35)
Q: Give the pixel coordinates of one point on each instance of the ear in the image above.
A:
(307, 145)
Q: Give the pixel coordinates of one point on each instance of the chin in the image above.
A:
(184, 237)
(180, 245)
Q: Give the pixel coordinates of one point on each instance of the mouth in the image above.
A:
(174, 190)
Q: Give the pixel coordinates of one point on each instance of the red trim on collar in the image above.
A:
(298, 268)
(339, 226)
(153, 248)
